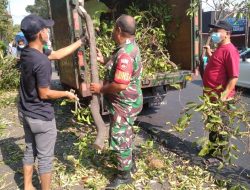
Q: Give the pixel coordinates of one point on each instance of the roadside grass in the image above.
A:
(8, 98)
(3, 127)
(3, 183)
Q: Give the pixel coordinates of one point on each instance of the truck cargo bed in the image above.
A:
(166, 79)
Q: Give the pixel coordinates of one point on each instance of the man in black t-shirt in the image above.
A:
(35, 109)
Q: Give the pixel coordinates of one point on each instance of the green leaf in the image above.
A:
(238, 187)
(212, 104)
(88, 120)
(199, 108)
(223, 133)
(191, 104)
(204, 151)
(63, 103)
(220, 166)
(209, 126)
(216, 120)
(232, 107)
(235, 147)
(79, 117)
(150, 144)
(223, 143)
(184, 120)
(202, 140)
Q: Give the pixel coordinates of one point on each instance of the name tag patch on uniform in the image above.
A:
(120, 75)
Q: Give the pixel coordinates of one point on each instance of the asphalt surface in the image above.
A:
(154, 121)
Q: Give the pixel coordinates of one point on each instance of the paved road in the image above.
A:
(156, 118)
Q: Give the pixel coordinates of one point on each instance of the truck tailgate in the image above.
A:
(167, 79)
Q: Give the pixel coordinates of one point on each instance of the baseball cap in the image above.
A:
(32, 24)
(222, 25)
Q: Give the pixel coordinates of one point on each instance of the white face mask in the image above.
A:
(21, 46)
(48, 36)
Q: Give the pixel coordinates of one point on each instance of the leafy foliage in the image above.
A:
(230, 120)
(81, 113)
(6, 28)
(223, 9)
(155, 164)
(104, 42)
(152, 19)
(8, 98)
(39, 8)
(85, 166)
(9, 75)
(3, 46)
(152, 36)
(78, 166)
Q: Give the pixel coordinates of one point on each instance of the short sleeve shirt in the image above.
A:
(125, 68)
(36, 72)
(223, 65)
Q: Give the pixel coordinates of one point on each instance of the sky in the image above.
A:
(17, 9)
(208, 8)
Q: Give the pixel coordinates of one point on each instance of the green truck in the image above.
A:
(73, 71)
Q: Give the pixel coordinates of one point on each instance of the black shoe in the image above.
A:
(211, 161)
(123, 178)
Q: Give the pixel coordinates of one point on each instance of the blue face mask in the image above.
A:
(216, 37)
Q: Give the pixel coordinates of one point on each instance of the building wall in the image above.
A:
(238, 38)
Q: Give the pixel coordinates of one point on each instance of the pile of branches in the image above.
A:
(152, 19)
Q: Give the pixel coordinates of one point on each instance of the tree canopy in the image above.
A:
(222, 8)
(40, 8)
(6, 28)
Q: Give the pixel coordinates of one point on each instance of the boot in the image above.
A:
(122, 178)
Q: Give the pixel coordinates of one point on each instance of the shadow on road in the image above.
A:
(12, 157)
(245, 92)
(197, 82)
(189, 151)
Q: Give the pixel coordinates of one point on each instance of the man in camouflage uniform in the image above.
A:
(122, 89)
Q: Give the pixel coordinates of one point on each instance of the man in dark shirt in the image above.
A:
(35, 109)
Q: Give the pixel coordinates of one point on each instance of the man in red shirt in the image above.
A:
(221, 70)
(223, 66)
